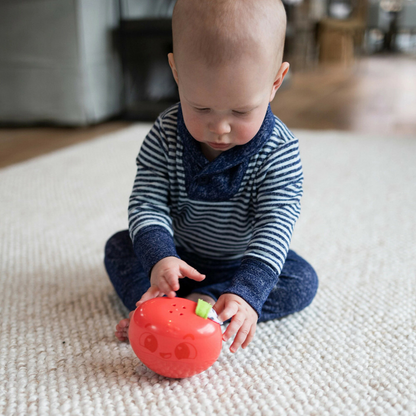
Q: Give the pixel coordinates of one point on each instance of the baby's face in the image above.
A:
(225, 105)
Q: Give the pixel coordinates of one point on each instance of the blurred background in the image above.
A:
(72, 70)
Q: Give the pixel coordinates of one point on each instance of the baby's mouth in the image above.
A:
(219, 146)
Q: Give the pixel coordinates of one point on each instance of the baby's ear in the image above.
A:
(173, 67)
(283, 70)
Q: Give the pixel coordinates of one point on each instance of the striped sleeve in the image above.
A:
(150, 224)
(279, 184)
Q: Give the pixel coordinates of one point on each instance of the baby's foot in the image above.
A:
(122, 329)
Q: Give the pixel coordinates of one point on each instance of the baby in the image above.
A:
(219, 179)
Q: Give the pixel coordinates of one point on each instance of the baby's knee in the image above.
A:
(304, 284)
(295, 290)
(310, 281)
(310, 286)
(299, 274)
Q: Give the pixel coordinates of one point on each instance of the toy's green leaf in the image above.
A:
(203, 308)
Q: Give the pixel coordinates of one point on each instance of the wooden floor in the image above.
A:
(376, 95)
(20, 144)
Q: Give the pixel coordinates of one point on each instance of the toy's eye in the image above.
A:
(148, 341)
(185, 350)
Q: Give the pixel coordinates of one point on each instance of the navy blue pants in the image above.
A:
(295, 289)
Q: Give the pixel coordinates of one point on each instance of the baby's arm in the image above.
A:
(243, 319)
(279, 189)
(165, 275)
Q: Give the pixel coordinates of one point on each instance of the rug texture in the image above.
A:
(352, 352)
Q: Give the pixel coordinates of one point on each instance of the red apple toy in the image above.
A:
(170, 338)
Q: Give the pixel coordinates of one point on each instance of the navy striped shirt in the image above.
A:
(241, 206)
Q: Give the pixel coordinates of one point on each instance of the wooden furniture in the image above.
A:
(337, 39)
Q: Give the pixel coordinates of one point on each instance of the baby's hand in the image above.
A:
(243, 322)
(165, 275)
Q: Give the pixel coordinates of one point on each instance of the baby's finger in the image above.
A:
(241, 336)
(167, 289)
(244, 336)
(225, 311)
(250, 337)
(219, 305)
(170, 282)
(190, 272)
(235, 325)
(152, 292)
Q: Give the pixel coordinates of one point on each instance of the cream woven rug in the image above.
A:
(352, 352)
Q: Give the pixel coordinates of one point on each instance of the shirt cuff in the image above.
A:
(153, 244)
(253, 282)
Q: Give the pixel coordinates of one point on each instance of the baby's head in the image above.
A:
(227, 61)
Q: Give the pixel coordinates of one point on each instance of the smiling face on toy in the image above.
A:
(170, 339)
(182, 351)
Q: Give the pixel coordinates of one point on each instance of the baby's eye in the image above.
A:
(202, 110)
(241, 113)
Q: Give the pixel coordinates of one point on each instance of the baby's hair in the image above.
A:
(224, 30)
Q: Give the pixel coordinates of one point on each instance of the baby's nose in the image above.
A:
(219, 127)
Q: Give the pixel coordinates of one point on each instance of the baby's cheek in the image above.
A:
(195, 126)
(196, 132)
(247, 127)
(244, 133)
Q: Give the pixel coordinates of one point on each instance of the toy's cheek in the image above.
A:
(148, 341)
(185, 350)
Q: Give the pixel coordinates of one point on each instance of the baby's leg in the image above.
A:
(126, 275)
(294, 291)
